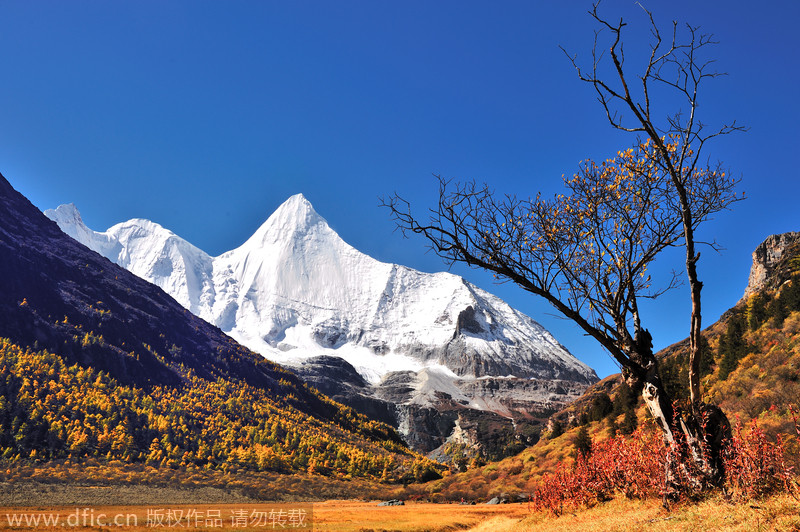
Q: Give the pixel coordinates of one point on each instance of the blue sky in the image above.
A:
(205, 116)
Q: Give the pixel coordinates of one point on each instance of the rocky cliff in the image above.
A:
(770, 261)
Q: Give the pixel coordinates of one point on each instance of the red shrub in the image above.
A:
(635, 468)
(754, 465)
(631, 466)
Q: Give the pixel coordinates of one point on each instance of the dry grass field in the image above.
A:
(325, 516)
(779, 513)
(341, 516)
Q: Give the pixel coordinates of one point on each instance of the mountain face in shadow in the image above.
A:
(52, 288)
(58, 295)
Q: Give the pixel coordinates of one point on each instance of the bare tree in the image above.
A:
(679, 65)
(679, 140)
(587, 252)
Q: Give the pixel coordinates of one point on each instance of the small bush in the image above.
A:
(634, 467)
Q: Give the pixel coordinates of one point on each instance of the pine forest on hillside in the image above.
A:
(50, 410)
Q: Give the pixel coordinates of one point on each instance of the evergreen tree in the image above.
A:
(556, 429)
(613, 428)
(674, 373)
(601, 407)
(777, 311)
(624, 399)
(707, 357)
(732, 346)
(756, 311)
(629, 423)
(791, 294)
(583, 442)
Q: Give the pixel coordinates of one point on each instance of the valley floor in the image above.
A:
(776, 513)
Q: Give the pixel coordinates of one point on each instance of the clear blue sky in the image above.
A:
(205, 116)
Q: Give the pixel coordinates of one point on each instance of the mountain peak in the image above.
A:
(67, 212)
(295, 288)
(70, 221)
(297, 199)
(296, 206)
(142, 228)
(294, 217)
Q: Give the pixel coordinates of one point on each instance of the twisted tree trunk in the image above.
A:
(695, 438)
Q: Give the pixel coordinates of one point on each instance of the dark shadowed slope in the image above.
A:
(52, 288)
(58, 295)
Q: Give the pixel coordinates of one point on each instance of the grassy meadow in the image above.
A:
(777, 513)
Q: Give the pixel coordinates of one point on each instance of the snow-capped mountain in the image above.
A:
(296, 290)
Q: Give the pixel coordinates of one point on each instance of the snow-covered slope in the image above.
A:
(151, 252)
(295, 289)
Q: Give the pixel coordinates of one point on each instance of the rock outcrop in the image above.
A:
(769, 261)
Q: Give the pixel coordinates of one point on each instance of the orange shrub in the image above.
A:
(635, 467)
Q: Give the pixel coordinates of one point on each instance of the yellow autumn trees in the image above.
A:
(51, 409)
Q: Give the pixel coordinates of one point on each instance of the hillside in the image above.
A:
(752, 371)
(97, 363)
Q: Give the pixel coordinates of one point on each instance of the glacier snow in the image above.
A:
(295, 290)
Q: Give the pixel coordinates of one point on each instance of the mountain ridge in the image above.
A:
(295, 248)
(421, 351)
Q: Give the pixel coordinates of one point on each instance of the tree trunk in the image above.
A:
(695, 439)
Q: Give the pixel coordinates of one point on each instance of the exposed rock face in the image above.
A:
(768, 259)
(340, 381)
(483, 414)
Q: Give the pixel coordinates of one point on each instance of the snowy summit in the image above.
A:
(295, 290)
